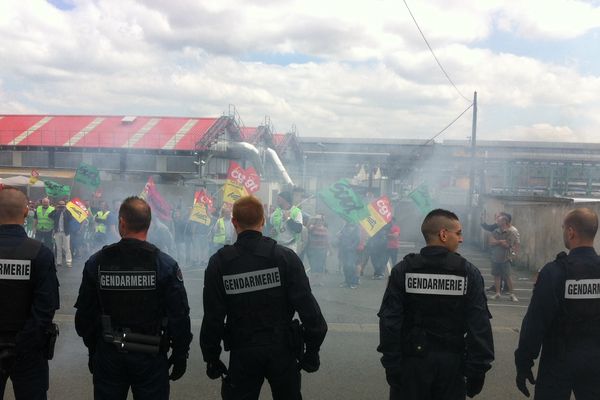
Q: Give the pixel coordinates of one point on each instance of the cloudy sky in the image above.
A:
(332, 68)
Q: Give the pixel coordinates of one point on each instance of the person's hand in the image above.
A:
(215, 369)
(310, 361)
(524, 374)
(393, 376)
(474, 385)
(179, 364)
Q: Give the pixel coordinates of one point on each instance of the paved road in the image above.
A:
(350, 365)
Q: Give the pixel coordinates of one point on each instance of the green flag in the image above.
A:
(342, 199)
(55, 189)
(88, 175)
(422, 199)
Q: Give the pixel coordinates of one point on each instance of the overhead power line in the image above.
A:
(433, 53)
(448, 126)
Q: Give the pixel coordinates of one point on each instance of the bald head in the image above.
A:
(583, 223)
(13, 206)
(135, 215)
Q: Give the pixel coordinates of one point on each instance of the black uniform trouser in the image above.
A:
(438, 375)
(114, 373)
(578, 371)
(28, 373)
(249, 366)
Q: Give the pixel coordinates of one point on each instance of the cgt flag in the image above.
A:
(342, 199)
(55, 189)
(202, 197)
(203, 205)
(380, 215)
(199, 214)
(422, 199)
(240, 182)
(77, 209)
(160, 207)
(88, 175)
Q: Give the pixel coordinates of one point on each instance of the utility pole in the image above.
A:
(470, 194)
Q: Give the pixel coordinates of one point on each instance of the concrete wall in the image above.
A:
(539, 224)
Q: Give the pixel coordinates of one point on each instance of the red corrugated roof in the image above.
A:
(248, 133)
(278, 138)
(169, 133)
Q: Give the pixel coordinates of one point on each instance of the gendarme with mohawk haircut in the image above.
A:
(435, 332)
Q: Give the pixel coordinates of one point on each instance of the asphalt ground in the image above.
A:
(350, 367)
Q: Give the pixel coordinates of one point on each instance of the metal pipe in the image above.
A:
(279, 166)
(241, 149)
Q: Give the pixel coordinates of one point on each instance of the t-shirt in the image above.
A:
(500, 253)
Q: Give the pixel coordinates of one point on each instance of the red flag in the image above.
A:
(248, 178)
(202, 197)
(160, 207)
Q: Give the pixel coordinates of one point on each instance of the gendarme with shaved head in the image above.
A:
(580, 227)
(28, 300)
(563, 318)
(13, 206)
(434, 327)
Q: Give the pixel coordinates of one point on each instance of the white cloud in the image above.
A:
(375, 78)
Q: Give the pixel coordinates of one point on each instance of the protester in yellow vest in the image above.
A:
(101, 223)
(286, 222)
(222, 230)
(43, 224)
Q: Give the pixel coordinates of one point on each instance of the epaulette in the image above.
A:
(455, 260)
(561, 255)
(265, 248)
(411, 256)
(228, 253)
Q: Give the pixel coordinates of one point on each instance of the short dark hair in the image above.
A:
(136, 213)
(506, 215)
(583, 221)
(248, 211)
(435, 221)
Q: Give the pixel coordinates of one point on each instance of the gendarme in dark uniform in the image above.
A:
(435, 332)
(257, 286)
(28, 299)
(132, 307)
(563, 319)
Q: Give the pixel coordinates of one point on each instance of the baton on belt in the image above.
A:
(128, 341)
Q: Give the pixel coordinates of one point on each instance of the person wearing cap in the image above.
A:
(563, 319)
(63, 224)
(286, 222)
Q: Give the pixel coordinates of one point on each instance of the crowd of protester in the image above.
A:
(192, 243)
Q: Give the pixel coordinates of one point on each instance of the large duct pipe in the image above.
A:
(279, 166)
(240, 149)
